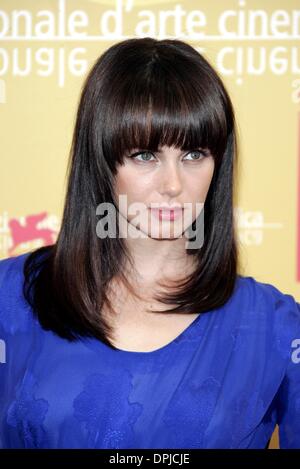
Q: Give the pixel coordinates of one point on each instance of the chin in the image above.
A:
(161, 233)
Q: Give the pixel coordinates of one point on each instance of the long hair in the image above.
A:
(140, 93)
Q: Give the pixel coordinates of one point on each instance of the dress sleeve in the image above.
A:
(15, 329)
(288, 397)
(5, 338)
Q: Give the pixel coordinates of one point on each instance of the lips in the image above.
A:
(167, 214)
(163, 209)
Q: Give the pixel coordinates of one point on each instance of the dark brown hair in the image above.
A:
(140, 93)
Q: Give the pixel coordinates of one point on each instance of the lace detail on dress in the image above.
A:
(26, 414)
(190, 411)
(247, 407)
(108, 420)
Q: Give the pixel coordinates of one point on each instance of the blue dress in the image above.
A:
(224, 382)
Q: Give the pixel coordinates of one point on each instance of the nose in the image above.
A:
(171, 183)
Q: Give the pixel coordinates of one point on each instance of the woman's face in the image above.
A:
(169, 177)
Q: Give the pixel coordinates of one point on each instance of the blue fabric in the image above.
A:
(224, 382)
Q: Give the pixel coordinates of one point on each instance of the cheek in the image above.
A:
(130, 184)
(124, 181)
(200, 182)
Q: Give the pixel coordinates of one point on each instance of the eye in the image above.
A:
(145, 156)
(201, 154)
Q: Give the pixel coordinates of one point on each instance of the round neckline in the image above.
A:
(163, 348)
(93, 343)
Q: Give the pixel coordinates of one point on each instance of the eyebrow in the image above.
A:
(135, 150)
(148, 149)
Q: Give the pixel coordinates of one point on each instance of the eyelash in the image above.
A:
(133, 156)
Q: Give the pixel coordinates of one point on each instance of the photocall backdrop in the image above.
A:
(46, 50)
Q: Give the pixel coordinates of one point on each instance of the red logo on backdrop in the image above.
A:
(22, 233)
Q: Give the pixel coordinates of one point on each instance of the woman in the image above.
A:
(135, 329)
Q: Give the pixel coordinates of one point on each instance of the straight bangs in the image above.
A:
(168, 102)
